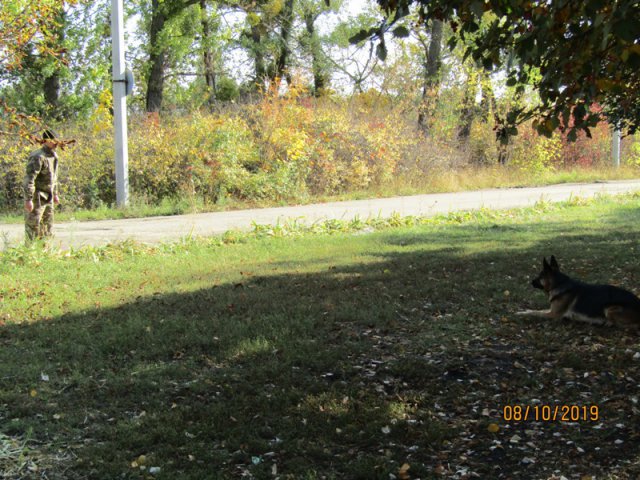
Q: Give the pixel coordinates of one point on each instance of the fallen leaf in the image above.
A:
(403, 472)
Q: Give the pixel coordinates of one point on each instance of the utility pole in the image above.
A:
(121, 87)
(615, 148)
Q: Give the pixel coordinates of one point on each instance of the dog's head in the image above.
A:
(546, 280)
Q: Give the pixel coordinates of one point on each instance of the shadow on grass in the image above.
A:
(351, 372)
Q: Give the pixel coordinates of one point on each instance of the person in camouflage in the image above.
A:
(41, 189)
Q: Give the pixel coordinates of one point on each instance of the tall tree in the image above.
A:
(477, 83)
(469, 108)
(178, 53)
(162, 12)
(27, 25)
(432, 67)
(52, 76)
(268, 38)
(351, 54)
(63, 68)
(281, 62)
(257, 37)
(575, 54)
(311, 11)
(157, 53)
(207, 54)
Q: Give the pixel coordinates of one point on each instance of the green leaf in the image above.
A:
(381, 51)
(401, 32)
(471, 27)
(587, 131)
(361, 36)
(477, 7)
(579, 112)
(627, 29)
(452, 42)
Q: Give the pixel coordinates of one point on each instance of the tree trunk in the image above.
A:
(282, 61)
(258, 55)
(52, 92)
(320, 77)
(503, 135)
(208, 58)
(488, 103)
(51, 86)
(431, 75)
(469, 109)
(155, 82)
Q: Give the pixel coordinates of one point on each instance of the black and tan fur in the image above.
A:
(596, 304)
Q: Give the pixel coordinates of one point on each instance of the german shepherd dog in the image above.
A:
(596, 304)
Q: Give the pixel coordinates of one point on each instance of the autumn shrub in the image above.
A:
(326, 146)
(340, 155)
(535, 154)
(87, 170)
(632, 150)
(481, 147)
(13, 155)
(587, 151)
(178, 156)
(287, 148)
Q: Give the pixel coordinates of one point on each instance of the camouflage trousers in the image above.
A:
(39, 221)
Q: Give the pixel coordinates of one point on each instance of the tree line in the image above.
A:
(565, 65)
(189, 53)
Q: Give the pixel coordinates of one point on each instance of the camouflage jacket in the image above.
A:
(42, 175)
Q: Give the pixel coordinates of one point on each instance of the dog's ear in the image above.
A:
(554, 263)
(545, 264)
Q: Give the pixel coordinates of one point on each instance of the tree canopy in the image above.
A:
(29, 35)
(582, 58)
(23, 23)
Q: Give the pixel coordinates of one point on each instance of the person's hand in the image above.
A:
(28, 205)
(56, 199)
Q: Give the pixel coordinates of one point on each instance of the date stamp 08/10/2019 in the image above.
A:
(551, 413)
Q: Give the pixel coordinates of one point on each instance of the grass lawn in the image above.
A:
(385, 354)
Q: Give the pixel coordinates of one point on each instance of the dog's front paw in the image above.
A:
(525, 313)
